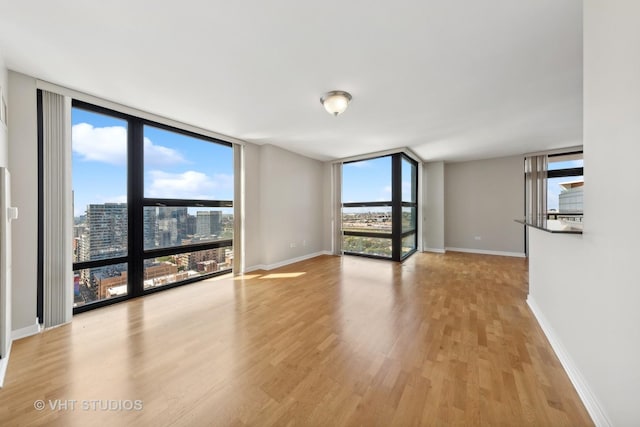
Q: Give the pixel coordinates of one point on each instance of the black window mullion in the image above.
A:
(174, 250)
(365, 204)
(368, 234)
(135, 165)
(396, 207)
(40, 272)
(188, 203)
(82, 265)
(561, 173)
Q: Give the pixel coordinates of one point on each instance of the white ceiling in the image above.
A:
(451, 79)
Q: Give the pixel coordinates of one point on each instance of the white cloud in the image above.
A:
(359, 165)
(188, 185)
(109, 145)
(158, 155)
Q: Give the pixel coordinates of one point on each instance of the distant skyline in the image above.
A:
(176, 165)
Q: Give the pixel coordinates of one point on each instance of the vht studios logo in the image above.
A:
(88, 405)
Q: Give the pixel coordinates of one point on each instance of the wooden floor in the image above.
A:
(438, 340)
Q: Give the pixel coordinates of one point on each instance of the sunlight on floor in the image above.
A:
(246, 277)
(282, 275)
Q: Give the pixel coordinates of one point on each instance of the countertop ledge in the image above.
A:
(564, 230)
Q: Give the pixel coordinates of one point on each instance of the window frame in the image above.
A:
(136, 254)
(396, 204)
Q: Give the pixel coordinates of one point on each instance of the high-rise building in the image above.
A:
(167, 232)
(208, 223)
(150, 227)
(191, 225)
(165, 226)
(107, 234)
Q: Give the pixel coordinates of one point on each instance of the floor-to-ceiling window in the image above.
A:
(101, 214)
(188, 207)
(379, 207)
(409, 202)
(153, 206)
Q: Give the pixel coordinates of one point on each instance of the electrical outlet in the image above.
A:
(304, 243)
(292, 245)
(478, 238)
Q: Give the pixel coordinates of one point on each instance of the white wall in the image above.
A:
(4, 144)
(253, 236)
(588, 288)
(23, 164)
(434, 219)
(327, 211)
(482, 199)
(291, 208)
(5, 292)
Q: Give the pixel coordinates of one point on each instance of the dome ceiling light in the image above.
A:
(336, 101)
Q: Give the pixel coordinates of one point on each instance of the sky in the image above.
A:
(175, 165)
(370, 180)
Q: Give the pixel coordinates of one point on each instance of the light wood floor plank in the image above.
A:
(438, 340)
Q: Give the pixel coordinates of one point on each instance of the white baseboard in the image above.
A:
(4, 363)
(279, 264)
(436, 250)
(254, 268)
(485, 252)
(589, 400)
(26, 331)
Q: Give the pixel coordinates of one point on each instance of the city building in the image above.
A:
(467, 88)
(108, 238)
(571, 199)
(208, 223)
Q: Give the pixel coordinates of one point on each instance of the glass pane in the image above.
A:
(565, 202)
(371, 220)
(408, 244)
(176, 226)
(367, 180)
(177, 166)
(408, 218)
(99, 180)
(367, 245)
(165, 270)
(97, 284)
(409, 181)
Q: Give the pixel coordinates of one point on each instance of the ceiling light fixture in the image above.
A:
(336, 101)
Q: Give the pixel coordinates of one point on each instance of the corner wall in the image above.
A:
(23, 163)
(482, 199)
(253, 236)
(434, 219)
(291, 208)
(587, 290)
(4, 134)
(5, 285)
